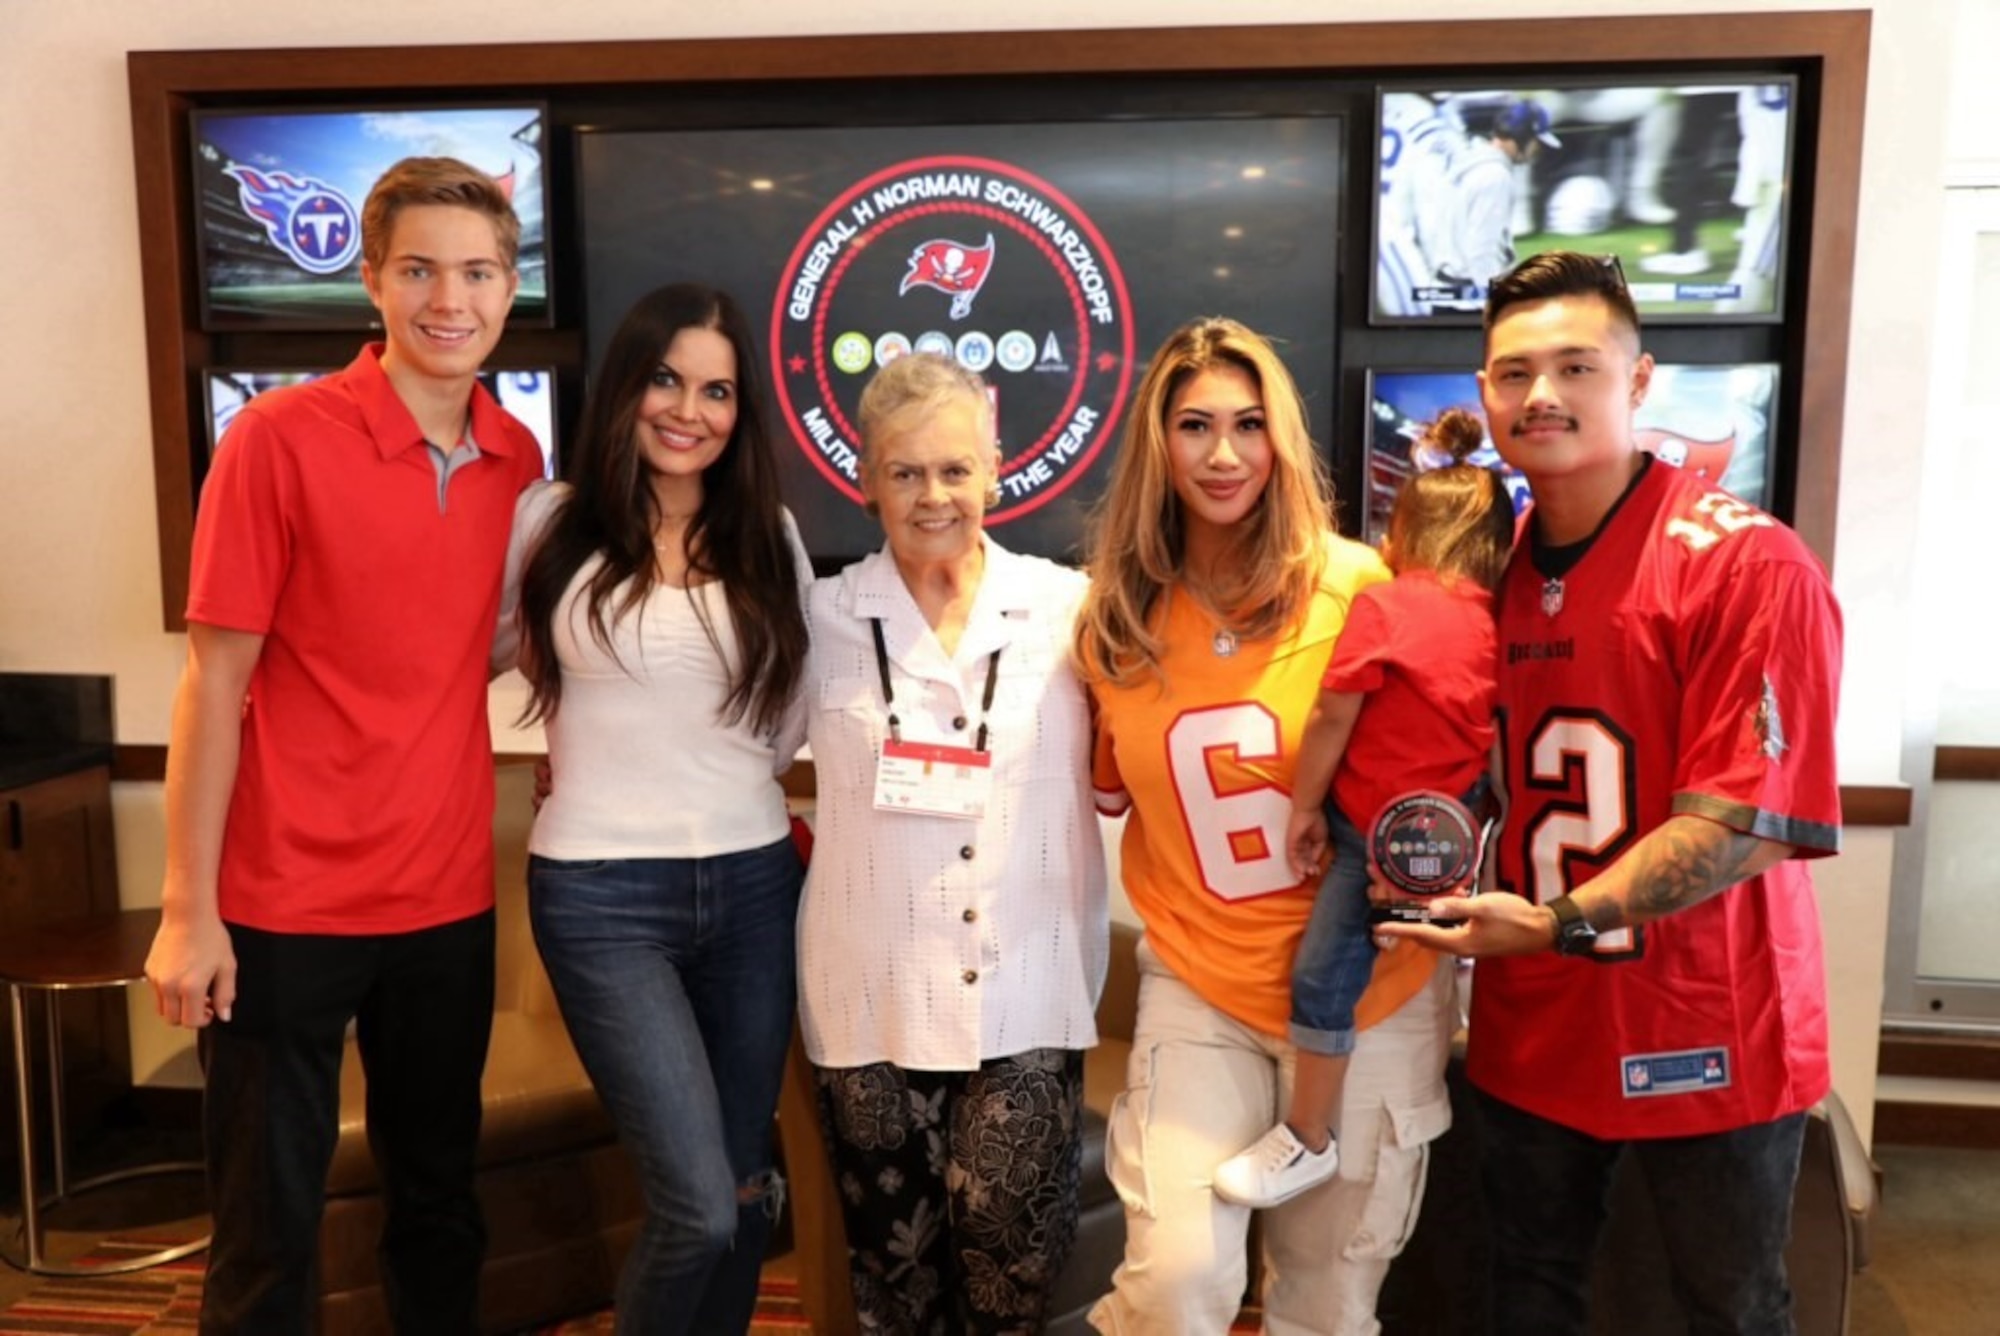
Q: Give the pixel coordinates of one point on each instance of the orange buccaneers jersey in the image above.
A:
(1202, 758)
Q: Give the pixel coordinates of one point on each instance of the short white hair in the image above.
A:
(921, 384)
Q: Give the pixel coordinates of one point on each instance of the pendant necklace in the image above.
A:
(1224, 644)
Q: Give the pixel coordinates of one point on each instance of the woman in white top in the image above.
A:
(663, 636)
(953, 938)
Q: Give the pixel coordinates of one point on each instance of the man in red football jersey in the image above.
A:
(1670, 660)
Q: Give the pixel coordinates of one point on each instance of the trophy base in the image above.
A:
(1410, 912)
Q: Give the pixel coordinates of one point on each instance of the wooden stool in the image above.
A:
(102, 951)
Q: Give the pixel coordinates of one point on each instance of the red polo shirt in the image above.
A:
(364, 797)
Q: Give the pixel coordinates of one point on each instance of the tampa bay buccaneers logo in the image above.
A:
(1710, 459)
(1051, 333)
(951, 267)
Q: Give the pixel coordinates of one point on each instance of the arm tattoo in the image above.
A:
(1684, 863)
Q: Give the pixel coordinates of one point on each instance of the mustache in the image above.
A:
(1523, 426)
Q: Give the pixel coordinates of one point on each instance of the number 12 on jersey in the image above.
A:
(1589, 759)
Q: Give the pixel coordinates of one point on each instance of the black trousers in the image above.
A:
(1723, 1202)
(958, 1189)
(423, 1006)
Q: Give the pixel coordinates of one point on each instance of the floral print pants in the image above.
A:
(959, 1189)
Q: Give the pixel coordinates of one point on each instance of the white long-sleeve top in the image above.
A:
(934, 943)
(643, 766)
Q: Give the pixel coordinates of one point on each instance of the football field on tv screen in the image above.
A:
(1634, 244)
(331, 300)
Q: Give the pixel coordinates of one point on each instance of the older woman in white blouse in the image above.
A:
(952, 938)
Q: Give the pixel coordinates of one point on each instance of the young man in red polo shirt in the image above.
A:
(329, 779)
(1669, 668)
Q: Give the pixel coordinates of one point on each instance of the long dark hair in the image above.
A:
(737, 536)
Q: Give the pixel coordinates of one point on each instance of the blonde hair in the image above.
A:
(1138, 550)
(1456, 521)
(415, 181)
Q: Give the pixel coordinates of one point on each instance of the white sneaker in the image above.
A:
(1682, 263)
(1647, 208)
(1276, 1169)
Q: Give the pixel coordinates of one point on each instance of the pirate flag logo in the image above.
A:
(951, 267)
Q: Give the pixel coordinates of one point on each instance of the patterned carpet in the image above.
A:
(165, 1300)
(160, 1299)
(778, 1314)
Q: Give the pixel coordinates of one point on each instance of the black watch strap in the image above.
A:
(1574, 935)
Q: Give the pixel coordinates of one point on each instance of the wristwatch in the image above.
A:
(1574, 935)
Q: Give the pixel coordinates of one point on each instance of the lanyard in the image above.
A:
(889, 691)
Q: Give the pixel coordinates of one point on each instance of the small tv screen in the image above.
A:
(1685, 182)
(278, 197)
(1716, 420)
(529, 394)
(1050, 258)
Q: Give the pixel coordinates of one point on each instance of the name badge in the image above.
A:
(930, 779)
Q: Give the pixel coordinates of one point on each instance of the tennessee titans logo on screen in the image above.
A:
(308, 220)
(952, 267)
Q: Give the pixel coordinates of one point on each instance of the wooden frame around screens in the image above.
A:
(1830, 46)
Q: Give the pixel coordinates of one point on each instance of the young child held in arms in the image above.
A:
(1407, 703)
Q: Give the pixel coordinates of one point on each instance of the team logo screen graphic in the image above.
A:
(1051, 257)
(308, 220)
(279, 197)
(982, 261)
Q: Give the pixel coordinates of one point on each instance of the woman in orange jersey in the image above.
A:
(1217, 589)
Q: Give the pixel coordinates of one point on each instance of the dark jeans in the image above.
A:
(423, 1003)
(677, 981)
(1723, 1203)
(958, 1189)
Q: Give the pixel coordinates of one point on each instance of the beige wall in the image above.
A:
(77, 538)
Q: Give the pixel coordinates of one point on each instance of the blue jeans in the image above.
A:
(676, 978)
(1723, 1203)
(1338, 952)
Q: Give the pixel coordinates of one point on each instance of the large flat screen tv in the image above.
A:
(1716, 420)
(278, 197)
(528, 393)
(1685, 181)
(1051, 258)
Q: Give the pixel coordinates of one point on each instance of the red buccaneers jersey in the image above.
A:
(1691, 667)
